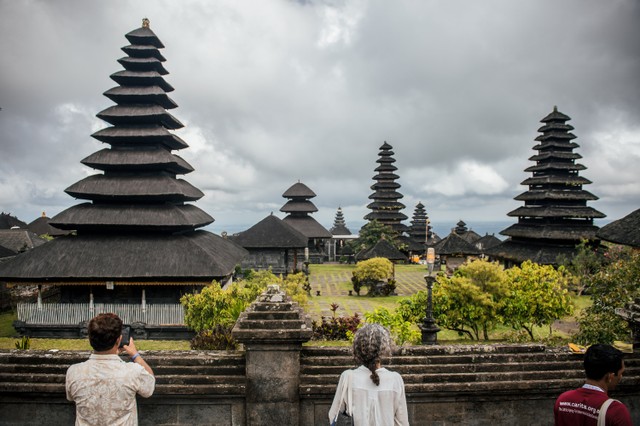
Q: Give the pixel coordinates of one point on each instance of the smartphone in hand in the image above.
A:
(126, 335)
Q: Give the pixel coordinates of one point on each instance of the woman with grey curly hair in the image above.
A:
(371, 394)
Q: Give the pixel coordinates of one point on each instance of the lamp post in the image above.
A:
(429, 328)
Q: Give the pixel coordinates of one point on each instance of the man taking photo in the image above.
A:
(104, 387)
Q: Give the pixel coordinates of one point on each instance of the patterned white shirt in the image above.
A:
(104, 389)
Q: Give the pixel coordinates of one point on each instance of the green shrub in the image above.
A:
(373, 273)
(217, 339)
(24, 343)
(336, 328)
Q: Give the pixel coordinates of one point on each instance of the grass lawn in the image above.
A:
(6, 324)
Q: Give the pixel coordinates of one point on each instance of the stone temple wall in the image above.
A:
(275, 380)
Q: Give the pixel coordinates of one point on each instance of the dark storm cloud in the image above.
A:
(274, 92)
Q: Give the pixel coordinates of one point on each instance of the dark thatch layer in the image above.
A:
(299, 190)
(140, 95)
(308, 226)
(519, 252)
(487, 242)
(271, 232)
(555, 166)
(299, 206)
(385, 185)
(553, 231)
(555, 155)
(143, 51)
(195, 256)
(454, 244)
(41, 226)
(144, 36)
(143, 64)
(154, 158)
(470, 236)
(159, 217)
(141, 78)
(412, 245)
(624, 231)
(556, 211)
(340, 230)
(139, 114)
(139, 135)
(556, 194)
(382, 248)
(19, 240)
(6, 252)
(556, 180)
(103, 187)
(7, 221)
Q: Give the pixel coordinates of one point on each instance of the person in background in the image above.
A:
(104, 387)
(603, 366)
(377, 394)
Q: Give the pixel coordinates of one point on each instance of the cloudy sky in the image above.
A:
(275, 91)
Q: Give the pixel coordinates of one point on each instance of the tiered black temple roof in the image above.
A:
(385, 207)
(136, 211)
(555, 216)
(419, 225)
(298, 208)
(339, 225)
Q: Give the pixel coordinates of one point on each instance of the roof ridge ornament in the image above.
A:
(145, 23)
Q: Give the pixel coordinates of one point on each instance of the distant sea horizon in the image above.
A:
(482, 228)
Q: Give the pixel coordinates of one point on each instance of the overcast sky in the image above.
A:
(274, 91)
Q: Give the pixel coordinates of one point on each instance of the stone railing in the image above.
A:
(275, 380)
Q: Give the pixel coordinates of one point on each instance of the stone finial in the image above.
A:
(145, 23)
(273, 318)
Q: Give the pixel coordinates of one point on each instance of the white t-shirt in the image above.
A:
(104, 389)
(383, 405)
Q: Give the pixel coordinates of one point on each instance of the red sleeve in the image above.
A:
(618, 415)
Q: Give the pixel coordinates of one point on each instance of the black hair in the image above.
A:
(600, 360)
(104, 330)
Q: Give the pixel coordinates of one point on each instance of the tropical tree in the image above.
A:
(537, 296)
(615, 285)
(373, 232)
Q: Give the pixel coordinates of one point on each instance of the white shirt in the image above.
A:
(104, 389)
(372, 405)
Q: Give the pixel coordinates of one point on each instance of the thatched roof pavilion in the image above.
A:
(382, 248)
(136, 226)
(20, 240)
(555, 216)
(41, 226)
(385, 207)
(272, 244)
(625, 231)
